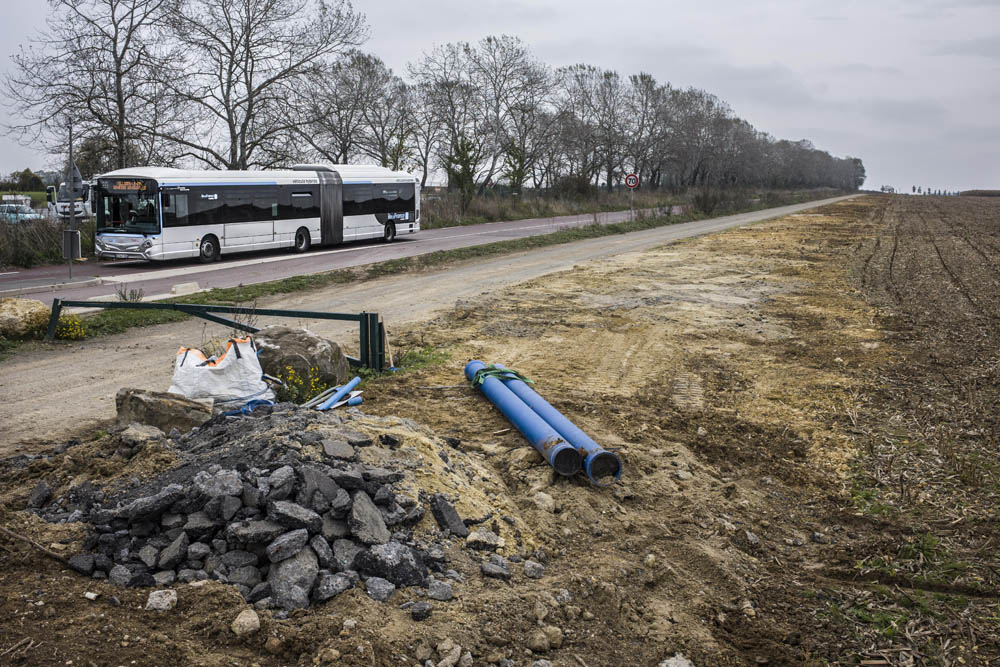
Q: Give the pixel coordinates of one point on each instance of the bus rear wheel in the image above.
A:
(390, 232)
(209, 249)
(302, 240)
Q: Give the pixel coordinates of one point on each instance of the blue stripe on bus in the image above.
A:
(223, 183)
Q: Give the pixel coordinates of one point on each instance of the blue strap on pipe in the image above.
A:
(339, 395)
(602, 467)
(560, 454)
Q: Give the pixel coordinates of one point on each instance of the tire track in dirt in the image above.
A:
(953, 277)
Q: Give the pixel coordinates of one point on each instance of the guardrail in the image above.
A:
(372, 330)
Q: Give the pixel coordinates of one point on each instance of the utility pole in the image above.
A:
(71, 186)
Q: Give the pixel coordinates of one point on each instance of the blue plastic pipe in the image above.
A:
(339, 396)
(602, 467)
(560, 454)
(357, 400)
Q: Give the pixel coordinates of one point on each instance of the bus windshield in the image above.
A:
(127, 206)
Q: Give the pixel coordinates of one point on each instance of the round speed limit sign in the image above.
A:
(631, 181)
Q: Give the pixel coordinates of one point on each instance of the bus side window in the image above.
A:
(265, 203)
(358, 199)
(175, 210)
(303, 205)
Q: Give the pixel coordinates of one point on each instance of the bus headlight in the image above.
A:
(146, 245)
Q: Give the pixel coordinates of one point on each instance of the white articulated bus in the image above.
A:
(159, 213)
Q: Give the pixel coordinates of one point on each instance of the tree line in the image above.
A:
(268, 83)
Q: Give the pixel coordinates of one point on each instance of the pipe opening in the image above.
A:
(567, 461)
(604, 468)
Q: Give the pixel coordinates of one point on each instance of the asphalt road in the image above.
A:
(94, 280)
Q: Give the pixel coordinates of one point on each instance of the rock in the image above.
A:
(246, 623)
(338, 449)
(238, 558)
(151, 507)
(379, 589)
(222, 483)
(253, 532)
(545, 502)
(538, 642)
(324, 554)
(292, 579)
(533, 570)
(309, 355)
(348, 479)
(281, 483)
(495, 571)
(161, 409)
(539, 663)
(820, 538)
(189, 576)
(678, 660)
(150, 555)
(120, 575)
(345, 554)
(365, 520)
(164, 578)
(161, 600)
(421, 611)
(199, 525)
(683, 475)
(22, 317)
(287, 545)
(248, 576)
(40, 495)
(484, 540)
(140, 435)
(294, 516)
(175, 553)
(91, 596)
(82, 563)
(554, 635)
(316, 479)
(197, 551)
(331, 585)
(259, 592)
(334, 529)
(439, 590)
(447, 516)
(394, 561)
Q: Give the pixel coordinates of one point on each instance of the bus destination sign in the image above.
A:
(125, 185)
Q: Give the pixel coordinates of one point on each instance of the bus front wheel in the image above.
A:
(209, 250)
(390, 232)
(302, 240)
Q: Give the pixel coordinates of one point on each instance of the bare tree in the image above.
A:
(336, 96)
(388, 125)
(96, 66)
(243, 68)
(467, 140)
(425, 129)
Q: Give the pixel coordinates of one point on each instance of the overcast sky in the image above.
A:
(910, 86)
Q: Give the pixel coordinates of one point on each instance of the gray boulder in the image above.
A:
(306, 353)
(331, 585)
(292, 579)
(447, 516)
(222, 483)
(345, 554)
(175, 553)
(161, 409)
(287, 545)
(366, 521)
(394, 561)
(294, 516)
(379, 589)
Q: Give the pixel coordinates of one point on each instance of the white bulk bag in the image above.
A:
(235, 377)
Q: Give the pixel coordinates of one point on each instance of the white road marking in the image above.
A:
(9, 273)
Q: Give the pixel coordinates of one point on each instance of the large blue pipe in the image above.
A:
(602, 467)
(560, 454)
(339, 396)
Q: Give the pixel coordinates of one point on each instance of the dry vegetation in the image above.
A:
(806, 411)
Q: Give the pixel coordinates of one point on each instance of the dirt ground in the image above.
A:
(805, 409)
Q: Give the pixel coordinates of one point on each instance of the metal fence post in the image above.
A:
(364, 353)
(54, 319)
(380, 338)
